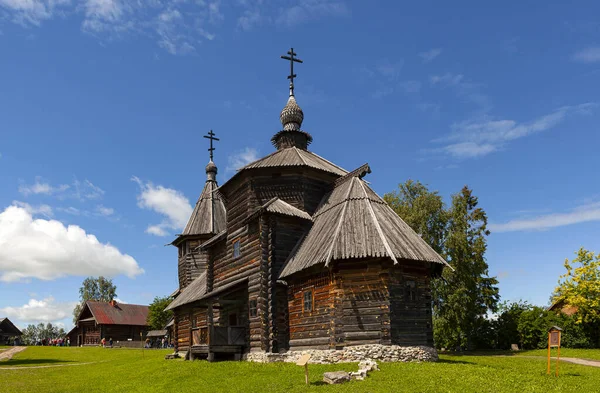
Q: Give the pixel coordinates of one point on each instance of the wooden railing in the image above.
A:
(230, 335)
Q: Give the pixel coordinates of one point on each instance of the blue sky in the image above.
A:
(103, 104)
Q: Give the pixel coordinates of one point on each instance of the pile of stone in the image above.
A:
(364, 367)
(383, 353)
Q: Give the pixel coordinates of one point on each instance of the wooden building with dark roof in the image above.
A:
(8, 332)
(119, 321)
(297, 253)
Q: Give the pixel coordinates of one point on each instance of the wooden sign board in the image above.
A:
(555, 339)
(303, 360)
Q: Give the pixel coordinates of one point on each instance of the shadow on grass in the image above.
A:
(451, 361)
(479, 353)
(31, 362)
(319, 383)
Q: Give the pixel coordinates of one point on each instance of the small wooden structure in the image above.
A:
(295, 252)
(554, 336)
(121, 322)
(8, 332)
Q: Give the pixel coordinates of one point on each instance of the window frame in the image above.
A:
(253, 308)
(310, 290)
(410, 291)
(234, 242)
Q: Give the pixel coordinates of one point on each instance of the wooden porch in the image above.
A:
(216, 341)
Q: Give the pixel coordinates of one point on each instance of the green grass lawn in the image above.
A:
(593, 354)
(128, 370)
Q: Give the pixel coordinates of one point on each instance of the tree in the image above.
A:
(99, 289)
(468, 293)
(157, 316)
(422, 210)
(507, 323)
(580, 286)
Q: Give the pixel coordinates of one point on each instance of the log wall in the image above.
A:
(411, 318)
(311, 329)
(193, 263)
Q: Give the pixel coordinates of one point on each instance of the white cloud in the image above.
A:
(36, 311)
(43, 210)
(304, 11)
(430, 55)
(250, 19)
(77, 190)
(171, 39)
(32, 12)
(241, 158)
(585, 213)
(69, 210)
(588, 55)
(411, 86)
(47, 249)
(170, 203)
(104, 211)
(465, 90)
(478, 138)
(447, 79)
(42, 187)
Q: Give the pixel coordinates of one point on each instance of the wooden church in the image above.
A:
(294, 252)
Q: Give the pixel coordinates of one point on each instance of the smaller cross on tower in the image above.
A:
(292, 60)
(211, 136)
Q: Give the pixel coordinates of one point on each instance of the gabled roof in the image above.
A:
(352, 221)
(292, 156)
(191, 293)
(118, 314)
(277, 206)
(209, 215)
(197, 291)
(7, 327)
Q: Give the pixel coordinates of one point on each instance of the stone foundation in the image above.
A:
(382, 353)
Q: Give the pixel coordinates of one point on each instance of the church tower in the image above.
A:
(207, 219)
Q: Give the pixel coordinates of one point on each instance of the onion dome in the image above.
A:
(211, 171)
(291, 116)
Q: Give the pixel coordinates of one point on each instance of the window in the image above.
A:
(308, 301)
(236, 249)
(410, 291)
(194, 322)
(182, 249)
(233, 319)
(253, 308)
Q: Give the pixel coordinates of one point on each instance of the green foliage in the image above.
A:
(33, 334)
(130, 370)
(462, 301)
(157, 316)
(580, 286)
(461, 298)
(100, 289)
(422, 210)
(507, 324)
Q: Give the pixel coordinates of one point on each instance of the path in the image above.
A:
(583, 362)
(8, 354)
(54, 365)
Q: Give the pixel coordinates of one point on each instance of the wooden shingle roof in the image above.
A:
(191, 293)
(352, 221)
(209, 215)
(8, 328)
(292, 156)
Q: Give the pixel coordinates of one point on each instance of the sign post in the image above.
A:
(554, 341)
(303, 361)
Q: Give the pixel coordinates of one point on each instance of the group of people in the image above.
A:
(162, 343)
(55, 342)
(110, 343)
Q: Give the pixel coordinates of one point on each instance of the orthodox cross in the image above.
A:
(292, 60)
(211, 136)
